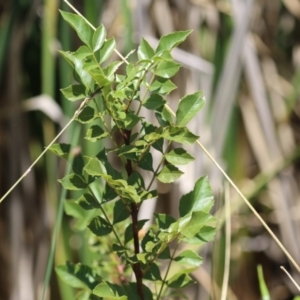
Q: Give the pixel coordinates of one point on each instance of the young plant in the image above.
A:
(111, 185)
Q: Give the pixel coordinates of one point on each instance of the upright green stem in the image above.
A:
(167, 272)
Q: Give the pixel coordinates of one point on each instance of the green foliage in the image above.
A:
(110, 199)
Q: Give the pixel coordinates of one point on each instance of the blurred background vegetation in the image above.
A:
(244, 55)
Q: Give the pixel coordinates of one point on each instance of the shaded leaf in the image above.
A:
(128, 235)
(74, 92)
(62, 150)
(96, 133)
(146, 162)
(154, 102)
(120, 212)
(87, 202)
(153, 273)
(100, 226)
(87, 115)
(180, 280)
(78, 275)
(73, 182)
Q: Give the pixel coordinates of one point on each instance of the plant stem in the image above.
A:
(135, 230)
(167, 272)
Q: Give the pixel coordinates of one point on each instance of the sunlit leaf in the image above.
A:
(179, 156)
(74, 92)
(199, 199)
(81, 27)
(107, 49)
(98, 38)
(189, 257)
(188, 107)
(169, 41)
(169, 173)
(145, 51)
(94, 167)
(167, 69)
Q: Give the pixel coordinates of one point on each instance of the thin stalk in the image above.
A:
(281, 246)
(227, 243)
(167, 272)
(77, 112)
(58, 221)
(292, 279)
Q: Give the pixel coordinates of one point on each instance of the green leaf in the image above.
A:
(105, 291)
(153, 273)
(164, 221)
(96, 133)
(169, 173)
(146, 162)
(82, 216)
(199, 199)
(145, 51)
(87, 115)
(136, 180)
(262, 284)
(98, 38)
(179, 156)
(78, 275)
(128, 235)
(195, 223)
(132, 294)
(154, 102)
(73, 182)
(100, 226)
(94, 167)
(180, 280)
(179, 134)
(164, 117)
(81, 27)
(99, 77)
(82, 52)
(107, 49)
(188, 107)
(205, 235)
(74, 92)
(87, 202)
(169, 41)
(189, 257)
(167, 69)
(62, 150)
(120, 212)
(111, 69)
(162, 86)
(84, 76)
